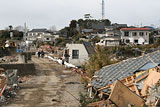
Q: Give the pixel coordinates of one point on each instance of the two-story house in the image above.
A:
(135, 35)
(41, 35)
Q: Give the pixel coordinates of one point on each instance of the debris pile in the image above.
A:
(135, 83)
(9, 93)
(9, 59)
(8, 85)
(56, 52)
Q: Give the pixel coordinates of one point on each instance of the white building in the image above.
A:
(135, 35)
(109, 41)
(78, 54)
(42, 35)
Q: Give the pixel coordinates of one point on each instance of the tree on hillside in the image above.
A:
(73, 24)
(4, 34)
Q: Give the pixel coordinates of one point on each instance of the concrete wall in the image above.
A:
(23, 69)
(83, 55)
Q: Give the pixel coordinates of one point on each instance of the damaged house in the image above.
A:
(78, 54)
(135, 75)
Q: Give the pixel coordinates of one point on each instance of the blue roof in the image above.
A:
(148, 66)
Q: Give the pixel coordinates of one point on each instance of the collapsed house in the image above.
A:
(136, 75)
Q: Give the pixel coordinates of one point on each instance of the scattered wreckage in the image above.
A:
(131, 83)
(134, 82)
(8, 85)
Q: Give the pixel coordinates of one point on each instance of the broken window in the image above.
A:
(126, 33)
(75, 54)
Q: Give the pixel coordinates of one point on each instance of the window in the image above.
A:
(126, 33)
(127, 41)
(47, 38)
(134, 33)
(135, 41)
(75, 54)
(141, 33)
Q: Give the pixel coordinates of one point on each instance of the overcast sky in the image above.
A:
(46, 13)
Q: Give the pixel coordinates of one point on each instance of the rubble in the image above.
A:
(139, 88)
(8, 85)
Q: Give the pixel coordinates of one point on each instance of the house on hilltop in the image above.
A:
(43, 35)
(135, 35)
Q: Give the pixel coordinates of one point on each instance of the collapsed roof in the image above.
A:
(109, 74)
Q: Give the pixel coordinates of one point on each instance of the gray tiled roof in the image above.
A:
(109, 74)
(38, 30)
(89, 47)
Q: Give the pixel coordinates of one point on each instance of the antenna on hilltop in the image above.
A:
(103, 15)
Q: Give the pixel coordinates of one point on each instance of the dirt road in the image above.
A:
(53, 86)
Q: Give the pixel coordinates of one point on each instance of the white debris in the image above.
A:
(60, 62)
(69, 65)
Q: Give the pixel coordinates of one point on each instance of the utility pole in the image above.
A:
(25, 32)
(103, 10)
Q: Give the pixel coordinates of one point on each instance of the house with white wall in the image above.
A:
(109, 41)
(78, 54)
(41, 35)
(135, 35)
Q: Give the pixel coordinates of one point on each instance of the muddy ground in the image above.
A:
(52, 86)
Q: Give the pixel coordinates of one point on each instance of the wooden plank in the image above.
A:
(136, 89)
(123, 96)
(144, 76)
(108, 86)
(125, 81)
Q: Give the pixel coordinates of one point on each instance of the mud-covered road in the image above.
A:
(52, 86)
